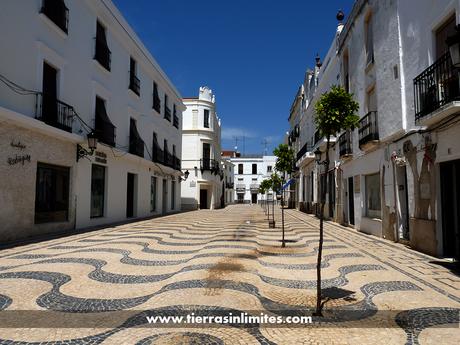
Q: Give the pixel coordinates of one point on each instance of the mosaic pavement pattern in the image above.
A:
(100, 287)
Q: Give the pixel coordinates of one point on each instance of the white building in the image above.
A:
(205, 186)
(250, 171)
(396, 175)
(69, 68)
(229, 175)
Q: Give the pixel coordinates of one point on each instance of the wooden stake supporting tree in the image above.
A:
(335, 111)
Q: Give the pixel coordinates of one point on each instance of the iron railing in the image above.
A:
(436, 86)
(176, 121)
(317, 137)
(167, 113)
(157, 154)
(105, 131)
(303, 151)
(209, 164)
(54, 112)
(345, 144)
(368, 128)
(136, 144)
(229, 185)
(134, 83)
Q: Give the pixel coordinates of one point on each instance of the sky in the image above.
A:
(253, 54)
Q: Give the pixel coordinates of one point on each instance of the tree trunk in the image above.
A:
(319, 306)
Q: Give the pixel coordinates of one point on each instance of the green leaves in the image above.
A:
(285, 159)
(274, 183)
(336, 111)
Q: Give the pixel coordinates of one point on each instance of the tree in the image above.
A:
(284, 164)
(335, 111)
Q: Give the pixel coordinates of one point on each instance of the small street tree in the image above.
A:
(335, 111)
(284, 164)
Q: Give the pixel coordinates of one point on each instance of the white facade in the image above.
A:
(54, 58)
(201, 153)
(229, 175)
(394, 176)
(249, 173)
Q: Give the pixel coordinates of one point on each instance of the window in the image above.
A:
(373, 207)
(134, 82)
(104, 128)
(166, 153)
(446, 30)
(173, 195)
(167, 110)
(52, 193)
(102, 52)
(240, 168)
(369, 35)
(136, 144)
(346, 74)
(153, 194)
(371, 100)
(156, 99)
(269, 168)
(254, 169)
(206, 118)
(175, 117)
(57, 12)
(97, 190)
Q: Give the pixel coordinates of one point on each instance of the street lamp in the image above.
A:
(318, 155)
(186, 173)
(92, 145)
(453, 42)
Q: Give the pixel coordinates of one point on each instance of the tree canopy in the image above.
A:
(285, 159)
(335, 111)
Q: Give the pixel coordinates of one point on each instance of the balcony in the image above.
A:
(176, 121)
(303, 151)
(57, 12)
(254, 187)
(136, 144)
(167, 113)
(157, 154)
(209, 164)
(229, 185)
(134, 84)
(102, 54)
(368, 130)
(240, 187)
(436, 92)
(54, 112)
(345, 144)
(176, 163)
(317, 138)
(105, 131)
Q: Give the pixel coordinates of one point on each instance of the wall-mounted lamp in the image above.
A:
(92, 145)
(186, 173)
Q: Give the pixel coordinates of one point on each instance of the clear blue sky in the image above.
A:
(252, 53)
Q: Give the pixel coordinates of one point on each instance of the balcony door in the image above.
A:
(49, 89)
(130, 195)
(351, 202)
(206, 156)
(446, 30)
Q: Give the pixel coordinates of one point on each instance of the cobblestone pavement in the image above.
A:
(98, 287)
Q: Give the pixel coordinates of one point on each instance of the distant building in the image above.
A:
(250, 171)
(201, 153)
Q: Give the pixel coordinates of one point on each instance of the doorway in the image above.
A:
(403, 221)
(130, 195)
(49, 89)
(351, 202)
(450, 208)
(164, 202)
(203, 199)
(254, 198)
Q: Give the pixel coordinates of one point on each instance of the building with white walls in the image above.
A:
(396, 175)
(205, 186)
(250, 171)
(229, 174)
(68, 69)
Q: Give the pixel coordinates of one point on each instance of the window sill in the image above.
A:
(101, 68)
(132, 93)
(53, 26)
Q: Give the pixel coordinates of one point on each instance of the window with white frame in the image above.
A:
(372, 190)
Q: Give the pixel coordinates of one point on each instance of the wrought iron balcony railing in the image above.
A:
(368, 128)
(157, 154)
(167, 113)
(209, 164)
(57, 12)
(345, 144)
(134, 83)
(54, 112)
(436, 86)
(229, 185)
(176, 163)
(102, 54)
(136, 144)
(176, 121)
(317, 137)
(303, 150)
